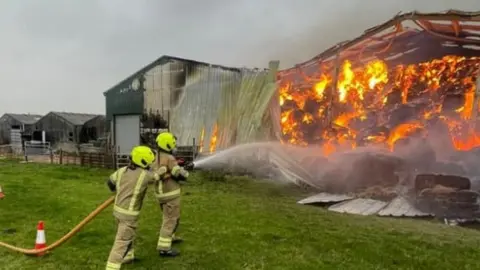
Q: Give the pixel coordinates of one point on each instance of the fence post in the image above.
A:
(51, 155)
(25, 152)
(61, 157)
(82, 158)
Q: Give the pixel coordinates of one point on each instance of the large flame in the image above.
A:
(213, 139)
(367, 95)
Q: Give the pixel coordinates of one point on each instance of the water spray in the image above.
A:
(221, 158)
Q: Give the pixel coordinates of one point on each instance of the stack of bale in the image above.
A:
(446, 196)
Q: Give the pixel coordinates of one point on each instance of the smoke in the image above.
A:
(322, 24)
(348, 170)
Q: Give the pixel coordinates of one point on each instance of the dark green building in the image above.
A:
(166, 90)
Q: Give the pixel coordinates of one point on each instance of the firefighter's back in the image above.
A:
(131, 191)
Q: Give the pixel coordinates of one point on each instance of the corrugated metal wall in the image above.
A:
(161, 82)
(250, 118)
(199, 105)
(220, 108)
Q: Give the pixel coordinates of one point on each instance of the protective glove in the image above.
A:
(180, 178)
(189, 166)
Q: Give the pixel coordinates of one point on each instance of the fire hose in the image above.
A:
(71, 233)
(67, 236)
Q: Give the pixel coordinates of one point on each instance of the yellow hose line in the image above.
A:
(69, 235)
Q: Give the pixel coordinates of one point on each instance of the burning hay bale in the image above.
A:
(437, 92)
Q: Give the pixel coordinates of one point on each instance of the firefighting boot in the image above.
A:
(169, 253)
(130, 261)
(129, 257)
(176, 239)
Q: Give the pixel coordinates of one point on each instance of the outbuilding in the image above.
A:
(71, 127)
(13, 126)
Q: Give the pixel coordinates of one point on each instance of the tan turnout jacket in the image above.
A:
(168, 189)
(131, 186)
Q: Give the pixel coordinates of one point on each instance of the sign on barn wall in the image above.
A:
(128, 99)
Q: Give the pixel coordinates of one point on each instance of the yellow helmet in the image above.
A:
(166, 141)
(142, 156)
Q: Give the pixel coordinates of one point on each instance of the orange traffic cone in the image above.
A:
(1, 193)
(41, 241)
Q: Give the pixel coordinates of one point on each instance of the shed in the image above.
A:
(13, 125)
(94, 128)
(71, 127)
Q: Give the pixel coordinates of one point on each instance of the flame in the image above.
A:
(365, 96)
(213, 140)
(202, 136)
(402, 131)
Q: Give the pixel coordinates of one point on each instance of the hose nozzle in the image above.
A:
(189, 166)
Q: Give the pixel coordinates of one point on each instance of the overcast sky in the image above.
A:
(61, 55)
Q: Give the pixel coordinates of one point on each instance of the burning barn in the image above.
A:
(397, 105)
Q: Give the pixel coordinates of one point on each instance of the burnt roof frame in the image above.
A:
(422, 20)
(161, 61)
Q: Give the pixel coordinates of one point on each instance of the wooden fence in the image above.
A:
(98, 160)
(87, 159)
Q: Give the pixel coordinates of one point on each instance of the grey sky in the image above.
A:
(62, 54)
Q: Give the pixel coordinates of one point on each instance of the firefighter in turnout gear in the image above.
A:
(167, 191)
(130, 184)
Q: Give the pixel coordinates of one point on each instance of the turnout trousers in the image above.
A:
(170, 222)
(122, 250)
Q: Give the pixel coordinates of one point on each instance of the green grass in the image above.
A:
(231, 224)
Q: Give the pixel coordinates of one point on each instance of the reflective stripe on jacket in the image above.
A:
(131, 186)
(168, 188)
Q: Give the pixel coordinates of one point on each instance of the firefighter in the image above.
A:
(167, 191)
(130, 184)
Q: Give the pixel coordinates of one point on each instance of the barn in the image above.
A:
(208, 105)
(12, 126)
(71, 127)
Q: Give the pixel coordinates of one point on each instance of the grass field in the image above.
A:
(227, 224)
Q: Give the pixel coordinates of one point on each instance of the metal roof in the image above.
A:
(163, 60)
(365, 207)
(325, 198)
(77, 119)
(398, 207)
(24, 118)
(401, 207)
